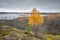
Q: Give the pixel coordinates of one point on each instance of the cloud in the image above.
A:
(27, 5)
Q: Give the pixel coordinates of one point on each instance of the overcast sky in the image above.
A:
(27, 5)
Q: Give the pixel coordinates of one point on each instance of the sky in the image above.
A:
(28, 5)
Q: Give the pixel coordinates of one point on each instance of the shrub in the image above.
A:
(53, 26)
(1, 25)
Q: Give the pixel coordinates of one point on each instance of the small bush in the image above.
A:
(1, 25)
(53, 26)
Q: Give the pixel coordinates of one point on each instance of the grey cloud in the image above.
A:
(28, 4)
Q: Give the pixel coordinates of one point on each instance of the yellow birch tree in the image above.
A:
(35, 18)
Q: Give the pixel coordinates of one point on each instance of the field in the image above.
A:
(18, 28)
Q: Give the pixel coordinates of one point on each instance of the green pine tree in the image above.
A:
(1, 25)
(28, 28)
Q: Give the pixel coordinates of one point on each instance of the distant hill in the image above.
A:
(24, 13)
(13, 15)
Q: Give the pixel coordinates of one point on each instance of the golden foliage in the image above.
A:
(4, 32)
(32, 33)
(35, 18)
(49, 17)
(58, 15)
(53, 37)
(53, 16)
(50, 38)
